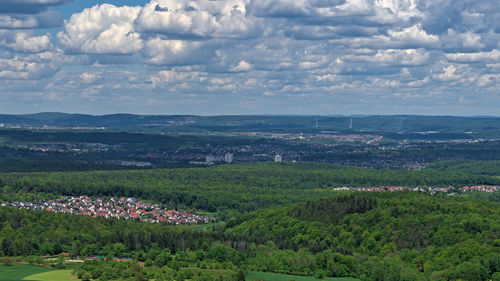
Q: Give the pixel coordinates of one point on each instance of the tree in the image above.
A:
(468, 271)
(240, 275)
(319, 274)
(74, 250)
(86, 276)
(140, 277)
(8, 247)
(7, 261)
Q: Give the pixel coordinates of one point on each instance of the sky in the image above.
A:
(219, 57)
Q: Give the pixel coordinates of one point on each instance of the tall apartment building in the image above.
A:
(228, 158)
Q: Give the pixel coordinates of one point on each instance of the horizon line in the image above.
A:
(354, 115)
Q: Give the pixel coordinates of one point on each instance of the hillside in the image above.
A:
(384, 236)
(370, 236)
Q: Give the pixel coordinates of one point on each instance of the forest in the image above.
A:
(225, 190)
(491, 168)
(283, 218)
(369, 236)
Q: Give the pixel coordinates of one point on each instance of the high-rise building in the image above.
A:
(228, 158)
(278, 158)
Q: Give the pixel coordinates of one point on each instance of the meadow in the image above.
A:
(20, 272)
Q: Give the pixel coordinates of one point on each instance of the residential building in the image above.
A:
(228, 158)
(278, 158)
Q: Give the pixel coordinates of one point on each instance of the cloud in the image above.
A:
(197, 19)
(341, 12)
(413, 34)
(90, 78)
(280, 8)
(47, 19)
(242, 66)
(8, 21)
(405, 10)
(322, 32)
(102, 29)
(491, 56)
(174, 52)
(393, 57)
(28, 6)
(355, 7)
(173, 76)
(24, 41)
(26, 68)
(329, 52)
(489, 80)
(469, 40)
(313, 61)
(452, 72)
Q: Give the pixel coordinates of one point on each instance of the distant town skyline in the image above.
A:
(251, 57)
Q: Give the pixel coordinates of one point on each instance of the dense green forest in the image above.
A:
(491, 168)
(385, 236)
(371, 236)
(227, 189)
(166, 251)
(280, 217)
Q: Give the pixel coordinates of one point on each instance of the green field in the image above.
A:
(56, 275)
(19, 271)
(267, 276)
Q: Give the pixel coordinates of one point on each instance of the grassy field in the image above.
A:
(19, 271)
(254, 275)
(56, 275)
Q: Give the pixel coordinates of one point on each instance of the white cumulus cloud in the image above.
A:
(203, 18)
(393, 57)
(241, 67)
(173, 52)
(102, 29)
(9, 21)
(491, 56)
(414, 34)
(25, 42)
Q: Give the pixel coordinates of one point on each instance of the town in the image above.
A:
(433, 190)
(122, 208)
(375, 150)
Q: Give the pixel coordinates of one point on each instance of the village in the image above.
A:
(477, 188)
(121, 208)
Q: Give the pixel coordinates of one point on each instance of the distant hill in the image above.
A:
(423, 125)
(84, 120)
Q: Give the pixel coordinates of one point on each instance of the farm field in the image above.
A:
(267, 276)
(56, 275)
(19, 272)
